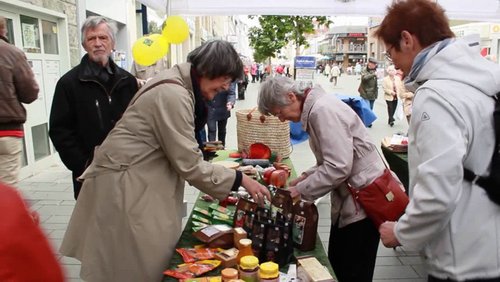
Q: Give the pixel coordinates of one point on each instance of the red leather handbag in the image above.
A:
(383, 200)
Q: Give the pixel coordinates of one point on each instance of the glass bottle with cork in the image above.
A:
(249, 269)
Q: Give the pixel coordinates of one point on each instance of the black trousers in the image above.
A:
(434, 279)
(217, 127)
(391, 109)
(77, 185)
(353, 251)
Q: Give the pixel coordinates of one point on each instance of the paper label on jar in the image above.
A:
(299, 223)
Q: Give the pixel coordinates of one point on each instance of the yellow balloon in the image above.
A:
(149, 49)
(176, 30)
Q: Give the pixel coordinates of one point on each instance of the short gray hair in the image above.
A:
(273, 92)
(93, 21)
(215, 59)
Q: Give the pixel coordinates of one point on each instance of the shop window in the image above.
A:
(41, 144)
(31, 34)
(49, 30)
(10, 31)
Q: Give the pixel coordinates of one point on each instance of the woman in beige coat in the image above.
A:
(127, 220)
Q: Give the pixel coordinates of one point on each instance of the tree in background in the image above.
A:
(275, 32)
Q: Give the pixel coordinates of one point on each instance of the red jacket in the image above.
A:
(25, 253)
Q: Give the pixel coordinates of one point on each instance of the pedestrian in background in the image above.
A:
(449, 219)
(128, 219)
(405, 96)
(219, 111)
(18, 85)
(89, 99)
(144, 73)
(344, 154)
(392, 87)
(334, 74)
(368, 88)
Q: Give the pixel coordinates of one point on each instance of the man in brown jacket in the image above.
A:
(18, 86)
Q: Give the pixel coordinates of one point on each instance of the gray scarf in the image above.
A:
(421, 59)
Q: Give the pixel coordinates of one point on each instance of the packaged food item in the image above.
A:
(215, 207)
(238, 234)
(305, 225)
(228, 257)
(202, 219)
(216, 236)
(194, 254)
(269, 272)
(249, 269)
(310, 269)
(203, 279)
(190, 270)
(198, 225)
(201, 212)
(243, 207)
(282, 203)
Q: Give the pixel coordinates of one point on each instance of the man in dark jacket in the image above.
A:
(219, 110)
(368, 89)
(89, 99)
(18, 85)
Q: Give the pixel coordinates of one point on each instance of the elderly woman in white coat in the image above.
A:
(127, 220)
(344, 155)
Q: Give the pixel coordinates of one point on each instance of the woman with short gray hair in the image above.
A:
(345, 155)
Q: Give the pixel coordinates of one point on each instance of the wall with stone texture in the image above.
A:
(67, 7)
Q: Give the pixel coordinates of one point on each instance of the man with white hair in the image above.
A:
(89, 99)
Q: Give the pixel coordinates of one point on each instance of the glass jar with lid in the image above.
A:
(249, 269)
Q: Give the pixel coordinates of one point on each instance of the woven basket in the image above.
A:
(254, 127)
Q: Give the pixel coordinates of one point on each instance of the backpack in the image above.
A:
(491, 183)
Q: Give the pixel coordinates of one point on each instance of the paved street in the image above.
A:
(50, 191)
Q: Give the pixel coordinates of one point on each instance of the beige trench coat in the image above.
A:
(127, 219)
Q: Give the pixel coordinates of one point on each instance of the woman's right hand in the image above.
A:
(258, 191)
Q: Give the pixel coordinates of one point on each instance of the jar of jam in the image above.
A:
(249, 269)
(229, 274)
(269, 272)
(245, 249)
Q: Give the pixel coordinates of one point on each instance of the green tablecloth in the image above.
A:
(188, 241)
(398, 162)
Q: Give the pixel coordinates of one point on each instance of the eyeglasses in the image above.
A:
(388, 54)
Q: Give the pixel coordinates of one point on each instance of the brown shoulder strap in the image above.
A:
(153, 86)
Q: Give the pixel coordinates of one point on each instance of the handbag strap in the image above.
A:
(383, 160)
(152, 86)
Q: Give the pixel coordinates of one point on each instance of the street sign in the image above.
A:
(305, 62)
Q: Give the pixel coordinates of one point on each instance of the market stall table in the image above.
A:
(398, 162)
(188, 241)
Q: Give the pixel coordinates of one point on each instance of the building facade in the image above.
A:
(345, 45)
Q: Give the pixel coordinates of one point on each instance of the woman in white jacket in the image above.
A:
(451, 220)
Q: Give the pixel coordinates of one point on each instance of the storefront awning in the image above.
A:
(480, 10)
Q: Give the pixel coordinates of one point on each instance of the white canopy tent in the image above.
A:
(477, 10)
